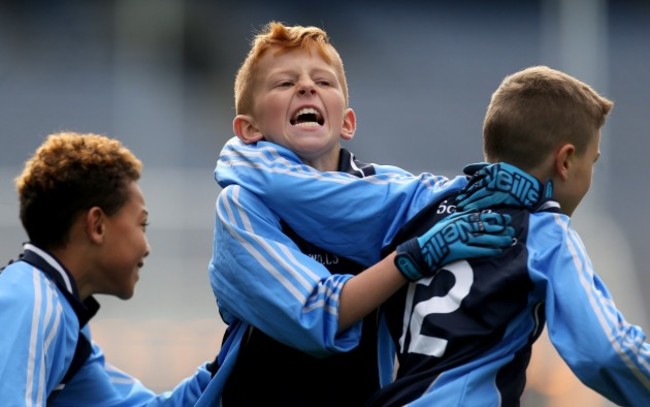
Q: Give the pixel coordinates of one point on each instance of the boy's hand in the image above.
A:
(460, 236)
(501, 184)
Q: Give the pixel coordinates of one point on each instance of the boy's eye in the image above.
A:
(323, 82)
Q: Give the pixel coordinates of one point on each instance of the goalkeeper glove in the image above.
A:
(501, 184)
(459, 236)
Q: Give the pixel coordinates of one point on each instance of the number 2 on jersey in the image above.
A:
(430, 345)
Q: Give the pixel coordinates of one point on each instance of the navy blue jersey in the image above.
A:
(460, 315)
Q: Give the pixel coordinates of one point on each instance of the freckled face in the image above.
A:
(125, 246)
(300, 103)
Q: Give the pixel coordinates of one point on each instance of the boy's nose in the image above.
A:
(306, 87)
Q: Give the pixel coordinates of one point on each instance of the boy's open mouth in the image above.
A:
(307, 115)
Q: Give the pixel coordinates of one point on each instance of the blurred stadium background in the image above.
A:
(158, 74)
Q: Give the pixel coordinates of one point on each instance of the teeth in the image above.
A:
(307, 110)
(307, 116)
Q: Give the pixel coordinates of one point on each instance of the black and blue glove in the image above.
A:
(501, 184)
(459, 236)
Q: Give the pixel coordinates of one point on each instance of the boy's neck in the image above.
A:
(329, 162)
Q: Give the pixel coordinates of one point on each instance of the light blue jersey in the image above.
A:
(40, 315)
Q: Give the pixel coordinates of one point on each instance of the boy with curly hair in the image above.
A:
(85, 216)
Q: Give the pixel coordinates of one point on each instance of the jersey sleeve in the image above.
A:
(40, 331)
(38, 338)
(98, 383)
(259, 275)
(343, 208)
(604, 351)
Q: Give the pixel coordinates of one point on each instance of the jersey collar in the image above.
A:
(61, 277)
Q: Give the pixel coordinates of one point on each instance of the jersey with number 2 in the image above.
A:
(464, 337)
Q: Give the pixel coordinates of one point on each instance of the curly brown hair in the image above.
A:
(67, 175)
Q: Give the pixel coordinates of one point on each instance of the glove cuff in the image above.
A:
(410, 261)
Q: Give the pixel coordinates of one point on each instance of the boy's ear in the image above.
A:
(95, 224)
(564, 160)
(244, 128)
(349, 124)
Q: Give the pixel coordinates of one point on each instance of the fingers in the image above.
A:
(477, 183)
(478, 251)
(472, 169)
(477, 223)
(495, 224)
(485, 222)
(496, 218)
(493, 229)
(490, 241)
(472, 200)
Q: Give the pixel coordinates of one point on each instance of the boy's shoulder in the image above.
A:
(23, 287)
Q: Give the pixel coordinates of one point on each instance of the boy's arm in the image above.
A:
(259, 276)
(343, 208)
(606, 352)
(98, 383)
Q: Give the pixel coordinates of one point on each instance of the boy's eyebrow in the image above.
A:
(280, 72)
(287, 70)
(330, 71)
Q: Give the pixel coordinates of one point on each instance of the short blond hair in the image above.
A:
(69, 173)
(284, 38)
(536, 109)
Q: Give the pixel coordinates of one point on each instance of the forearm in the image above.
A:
(187, 392)
(366, 291)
